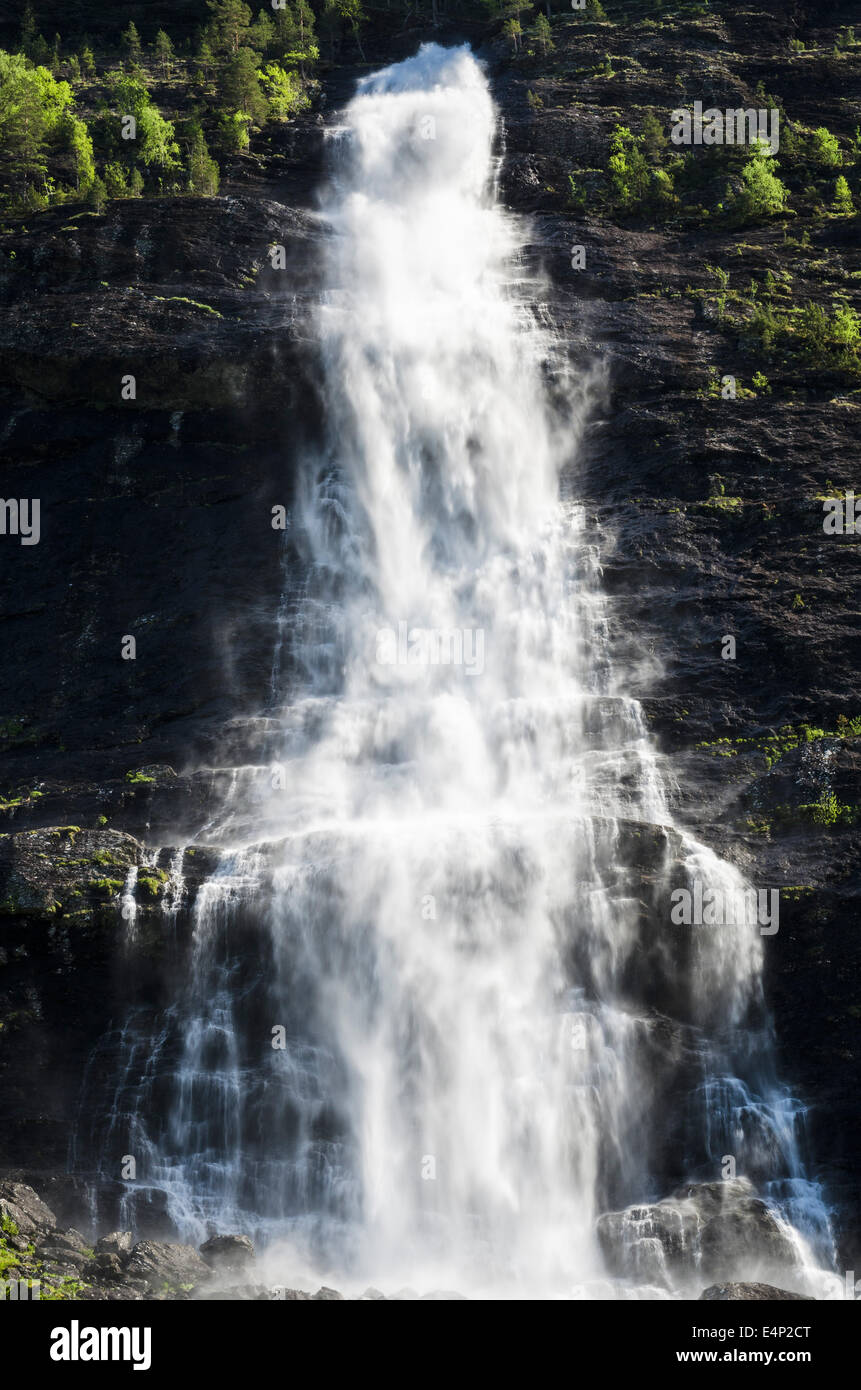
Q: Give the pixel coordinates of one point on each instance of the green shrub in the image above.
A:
(824, 148)
(284, 90)
(630, 174)
(116, 184)
(843, 203)
(764, 194)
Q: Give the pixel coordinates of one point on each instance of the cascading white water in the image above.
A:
(472, 1002)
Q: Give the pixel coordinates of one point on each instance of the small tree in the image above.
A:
(28, 29)
(203, 172)
(541, 33)
(512, 30)
(131, 41)
(305, 22)
(81, 145)
(116, 182)
(629, 171)
(843, 203)
(654, 137)
(164, 54)
(41, 51)
(88, 62)
(97, 195)
(825, 148)
(263, 33)
(284, 91)
(204, 60)
(239, 87)
(764, 194)
(233, 131)
(231, 22)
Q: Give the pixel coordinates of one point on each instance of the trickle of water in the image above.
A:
(485, 1043)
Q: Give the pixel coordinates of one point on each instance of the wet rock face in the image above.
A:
(64, 872)
(704, 1231)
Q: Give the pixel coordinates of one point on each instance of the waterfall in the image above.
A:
(436, 1027)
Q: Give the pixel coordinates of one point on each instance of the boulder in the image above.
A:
(117, 1243)
(164, 1267)
(227, 1253)
(105, 1267)
(21, 1205)
(759, 1293)
(720, 1230)
(745, 1236)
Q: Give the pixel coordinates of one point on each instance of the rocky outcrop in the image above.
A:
(704, 1230)
(751, 1293)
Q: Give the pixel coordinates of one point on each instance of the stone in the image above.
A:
(227, 1253)
(760, 1293)
(158, 1264)
(20, 1204)
(106, 1267)
(117, 1243)
(716, 1230)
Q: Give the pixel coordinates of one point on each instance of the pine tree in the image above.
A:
(287, 32)
(239, 87)
(164, 53)
(305, 22)
(131, 41)
(97, 194)
(654, 138)
(262, 33)
(231, 23)
(541, 33)
(203, 172)
(512, 30)
(204, 59)
(843, 203)
(28, 29)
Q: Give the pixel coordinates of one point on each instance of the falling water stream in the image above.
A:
(436, 1025)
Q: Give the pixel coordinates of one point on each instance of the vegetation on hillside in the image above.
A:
(150, 114)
